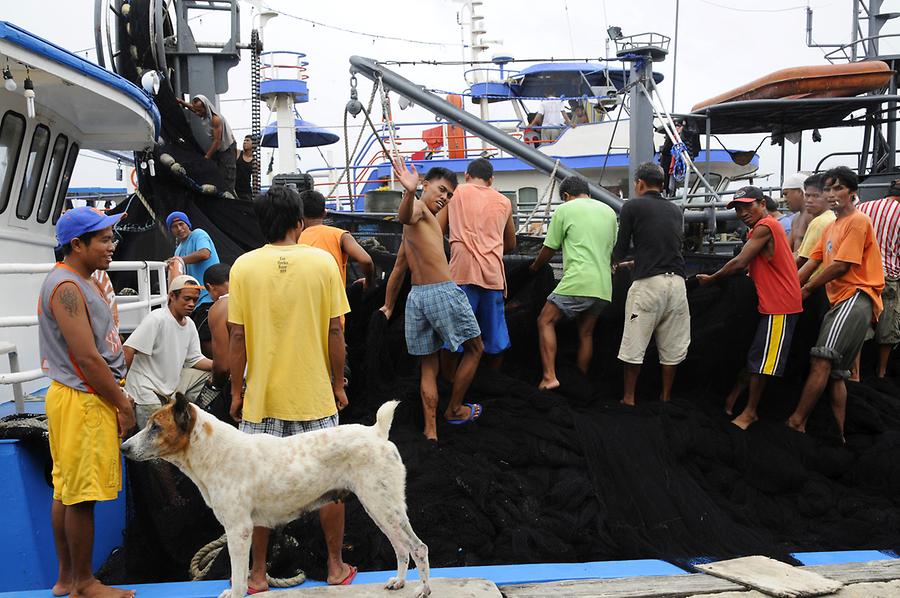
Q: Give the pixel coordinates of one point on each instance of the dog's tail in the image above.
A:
(384, 418)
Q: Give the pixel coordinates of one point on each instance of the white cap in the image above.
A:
(184, 282)
(794, 181)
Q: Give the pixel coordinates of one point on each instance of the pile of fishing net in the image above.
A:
(573, 475)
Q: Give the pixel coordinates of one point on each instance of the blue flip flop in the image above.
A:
(474, 413)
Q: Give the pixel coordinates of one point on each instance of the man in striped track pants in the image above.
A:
(854, 278)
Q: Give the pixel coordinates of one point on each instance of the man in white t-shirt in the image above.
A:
(163, 354)
(551, 118)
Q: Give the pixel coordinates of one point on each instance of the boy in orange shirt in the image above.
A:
(853, 278)
(336, 241)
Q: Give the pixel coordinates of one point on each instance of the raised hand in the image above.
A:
(408, 176)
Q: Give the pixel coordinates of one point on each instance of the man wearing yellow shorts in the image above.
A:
(87, 410)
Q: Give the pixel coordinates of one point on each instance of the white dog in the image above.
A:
(260, 480)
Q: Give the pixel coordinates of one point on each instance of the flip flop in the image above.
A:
(251, 591)
(474, 413)
(350, 577)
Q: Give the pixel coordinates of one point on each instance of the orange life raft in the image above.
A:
(822, 81)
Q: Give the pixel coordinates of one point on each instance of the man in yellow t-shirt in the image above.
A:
(818, 207)
(285, 305)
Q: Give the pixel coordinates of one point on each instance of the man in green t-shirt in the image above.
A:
(585, 229)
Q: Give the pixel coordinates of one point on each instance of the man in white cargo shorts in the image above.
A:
(657, 300)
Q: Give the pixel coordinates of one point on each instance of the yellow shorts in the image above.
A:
(84, 444)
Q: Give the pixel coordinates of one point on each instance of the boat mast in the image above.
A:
(477, 46)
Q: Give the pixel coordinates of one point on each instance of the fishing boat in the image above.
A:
(624, 518)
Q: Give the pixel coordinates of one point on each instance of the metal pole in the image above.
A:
(800, 152)
(675, 54)
(640, 130)
(781, 167)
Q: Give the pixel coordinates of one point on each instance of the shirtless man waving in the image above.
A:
(437, 310)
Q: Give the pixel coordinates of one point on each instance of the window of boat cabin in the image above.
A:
(37, 156)
(57, 159)
(64, 182)
(12, 132)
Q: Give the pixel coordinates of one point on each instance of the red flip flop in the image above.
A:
(251, 591)
(350, 577)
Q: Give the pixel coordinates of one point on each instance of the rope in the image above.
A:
(346, 170)
(680, 150)
(203, 561)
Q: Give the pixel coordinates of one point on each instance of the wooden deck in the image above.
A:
(876, 579)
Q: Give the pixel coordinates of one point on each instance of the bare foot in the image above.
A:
(795, 424)
(95, 589)
(664, 399)
(730, 400)
(548, 384)
(62, 587)
(343, 574)
(629, 402)
(745, 420)
(431, 435)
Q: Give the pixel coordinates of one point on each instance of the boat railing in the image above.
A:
(841, 53)
(641, 41)
(283, 64)
(132, 310)
(488, 75)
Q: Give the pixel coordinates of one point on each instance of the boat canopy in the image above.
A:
(110, 111)
(571, 79)
(565, 79)
(307, 134)
(788, 115)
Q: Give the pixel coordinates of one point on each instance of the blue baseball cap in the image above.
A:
(77, 221)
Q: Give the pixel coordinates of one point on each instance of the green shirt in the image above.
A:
(585, 228)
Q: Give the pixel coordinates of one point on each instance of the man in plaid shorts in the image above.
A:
(294, 379)
(437, 310)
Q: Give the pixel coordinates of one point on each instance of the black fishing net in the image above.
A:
(573, 475)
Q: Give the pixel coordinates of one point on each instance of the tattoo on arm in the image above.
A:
(70, 301)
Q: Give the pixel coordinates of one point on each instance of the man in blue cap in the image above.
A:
(196, 249)
(87, 410)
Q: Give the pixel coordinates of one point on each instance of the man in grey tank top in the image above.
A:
(87, 410)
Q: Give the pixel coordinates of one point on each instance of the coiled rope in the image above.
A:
(203, 560)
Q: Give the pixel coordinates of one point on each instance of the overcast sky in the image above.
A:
(721, 44)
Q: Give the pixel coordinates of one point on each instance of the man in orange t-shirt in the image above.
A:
(336, 241)
(853, 277)
(480, 226)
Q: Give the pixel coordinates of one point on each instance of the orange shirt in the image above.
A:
(851, 239)
(329, 239)
(477, 217)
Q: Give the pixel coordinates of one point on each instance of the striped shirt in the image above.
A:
(885, 216)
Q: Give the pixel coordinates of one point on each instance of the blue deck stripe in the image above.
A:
(841, 557)
(499, 574)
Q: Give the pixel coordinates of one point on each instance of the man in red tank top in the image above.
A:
(770, 261)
